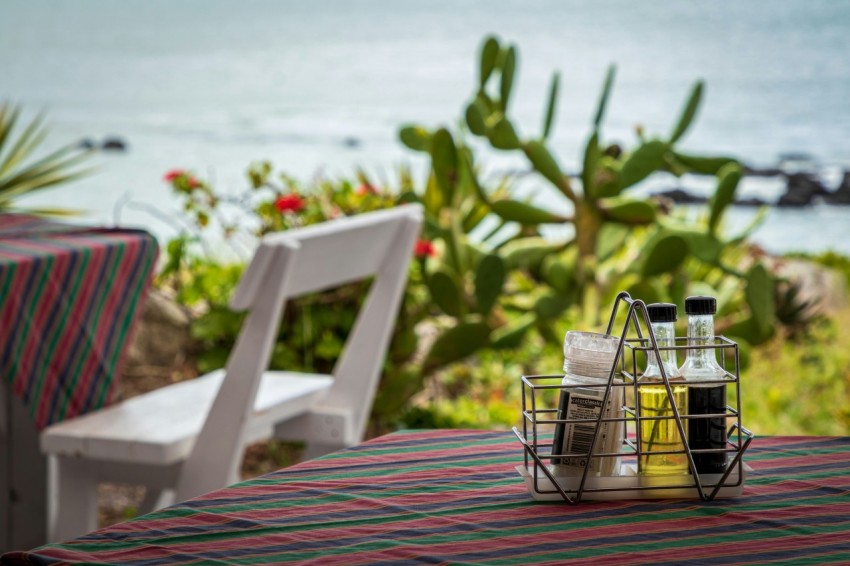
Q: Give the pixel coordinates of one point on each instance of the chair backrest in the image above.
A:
(286, 265)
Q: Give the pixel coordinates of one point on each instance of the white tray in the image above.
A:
(626, 484)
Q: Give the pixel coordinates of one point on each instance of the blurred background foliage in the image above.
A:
(498, 278)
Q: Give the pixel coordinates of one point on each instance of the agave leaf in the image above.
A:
(49, 211)
(688, 112)
(8, 117)
(45, 181)
(32, 136)
(59, 159)
(603, 98)
(551, 105)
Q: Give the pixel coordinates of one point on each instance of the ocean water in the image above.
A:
(322, 87)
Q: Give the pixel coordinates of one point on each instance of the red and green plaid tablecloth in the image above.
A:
(450, 496)
(68, 298)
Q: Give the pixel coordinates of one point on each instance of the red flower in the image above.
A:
(173, 174)
(193, 183)
(289, 203)
(365, 189)
(423, 249)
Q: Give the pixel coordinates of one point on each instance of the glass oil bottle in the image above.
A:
(662, 449)
(705, 395)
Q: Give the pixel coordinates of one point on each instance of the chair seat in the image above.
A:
(160, 427)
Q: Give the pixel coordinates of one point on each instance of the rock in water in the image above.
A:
(681, 196)
(114, 144)
(841, 195)
(801, 190)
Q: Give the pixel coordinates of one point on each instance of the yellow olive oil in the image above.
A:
(662, 435)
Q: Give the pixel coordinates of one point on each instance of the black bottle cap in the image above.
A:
(662, 312)
(700, 305)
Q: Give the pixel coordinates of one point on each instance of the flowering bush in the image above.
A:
(314, 328)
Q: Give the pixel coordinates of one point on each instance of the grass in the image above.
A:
(801, 386)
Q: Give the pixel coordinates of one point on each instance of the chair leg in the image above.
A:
(75, 513)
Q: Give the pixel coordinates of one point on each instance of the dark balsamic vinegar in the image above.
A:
(707, 433)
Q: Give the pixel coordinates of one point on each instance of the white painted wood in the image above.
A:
(76, 504)
(160, 427)
(191, 435)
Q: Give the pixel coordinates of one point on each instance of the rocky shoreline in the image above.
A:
(803, 188)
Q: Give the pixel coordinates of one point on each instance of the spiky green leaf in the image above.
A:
(688, 112)
(603, 98)
(724, 195)
(551, 105)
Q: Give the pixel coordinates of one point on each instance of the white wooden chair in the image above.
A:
(190, 437)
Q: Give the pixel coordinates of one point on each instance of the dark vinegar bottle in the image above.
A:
(706, 388)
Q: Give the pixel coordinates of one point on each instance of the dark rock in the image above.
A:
(763, 172)
(114, 144)
(86, 143)
(841, 195)
(752, 201)
(801, 190)
(681, 196)
(352, 142)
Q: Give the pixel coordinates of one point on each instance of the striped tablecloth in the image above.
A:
(449, 496)
(68, 298)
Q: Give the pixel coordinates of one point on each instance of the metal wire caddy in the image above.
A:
(538, 416)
